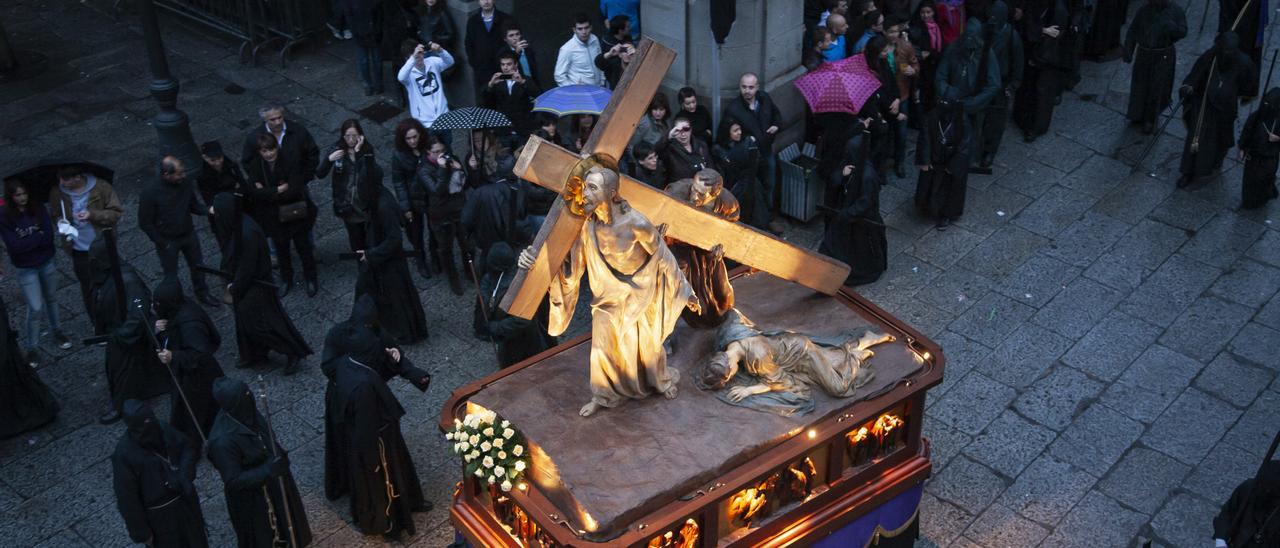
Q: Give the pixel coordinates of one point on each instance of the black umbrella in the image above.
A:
(41, 176)
(471, 118)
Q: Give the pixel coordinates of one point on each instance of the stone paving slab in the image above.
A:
(1111, 340)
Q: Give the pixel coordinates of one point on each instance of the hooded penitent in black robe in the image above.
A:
(1222, 71)
(152, 469)
(337, 343)
(25, 402)
(1251, 517)
(1005, 44)
(1049, 65)
(1149, 44)
(255, 473)
(385, 490)
(192, 339)
(969, 75)
(384, 272)
(1251, 38)
(1104, 32)
(855, 232)
(942, 146)
(1262, 155)
(517, 337)
(133, 371)
(262, 324)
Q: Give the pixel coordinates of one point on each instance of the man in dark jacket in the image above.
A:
(294, 140)
(220, 174)
(526, 57)
(164, 214)
(484, 39)
(510, 93)
(754, 109)
(262, 498)
(999, 38)
(153, 469)
(188, 340)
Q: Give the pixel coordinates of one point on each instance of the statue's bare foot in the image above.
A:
(670, 393)
(588, 409)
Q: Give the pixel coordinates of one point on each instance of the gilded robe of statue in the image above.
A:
(637, 292)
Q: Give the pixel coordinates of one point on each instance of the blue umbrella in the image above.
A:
(575, 99)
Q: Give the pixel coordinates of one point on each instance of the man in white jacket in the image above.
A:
(420, 76)
(576, 63)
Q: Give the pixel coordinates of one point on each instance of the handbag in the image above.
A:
(295, 211)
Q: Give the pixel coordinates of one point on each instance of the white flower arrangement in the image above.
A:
(492, 451)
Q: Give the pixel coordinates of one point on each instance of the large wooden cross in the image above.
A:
(549, 166)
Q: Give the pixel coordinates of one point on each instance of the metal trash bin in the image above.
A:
(802, 187)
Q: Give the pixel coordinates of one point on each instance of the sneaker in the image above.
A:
(62, 340)
(33, 359)
(336, 33)
(346, 35)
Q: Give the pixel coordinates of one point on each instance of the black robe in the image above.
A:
(262, 325)
(1104, 32)
(384, 274)
(1262, 156)
(940, 191)
(193, 340)
(337, 345)
(1251, 40)
(855, 232)
(1050, 62)
(25, 402)
(133, 370)
(1149, 44)
(256, 497)
(384, 484)
(1251, 517)
(1003, 41)
(1223, 71)
(154, 491)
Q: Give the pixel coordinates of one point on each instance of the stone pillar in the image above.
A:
(765, 40)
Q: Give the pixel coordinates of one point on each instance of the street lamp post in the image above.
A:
(172, 126)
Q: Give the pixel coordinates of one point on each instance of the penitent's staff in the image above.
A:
(284, 493)
(168, 368)
(1152, 143)
(484, 307)
(229, 276)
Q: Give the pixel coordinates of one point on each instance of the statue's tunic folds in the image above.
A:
(632, 309)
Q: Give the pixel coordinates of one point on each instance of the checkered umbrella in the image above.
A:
(842, 86)
(575, 99)
(471, 118)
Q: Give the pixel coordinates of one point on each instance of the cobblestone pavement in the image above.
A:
(1111, 342)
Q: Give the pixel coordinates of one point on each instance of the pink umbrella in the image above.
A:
(842, 86)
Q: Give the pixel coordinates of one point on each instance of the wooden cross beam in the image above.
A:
(549, 166)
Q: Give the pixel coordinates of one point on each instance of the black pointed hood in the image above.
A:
(142, 426)
(235, 399)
